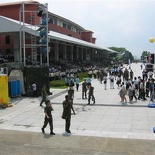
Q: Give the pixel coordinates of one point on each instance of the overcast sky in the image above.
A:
(120, 23)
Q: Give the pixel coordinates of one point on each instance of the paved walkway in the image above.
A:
(107, 118)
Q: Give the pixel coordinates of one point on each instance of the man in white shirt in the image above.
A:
(34, 88)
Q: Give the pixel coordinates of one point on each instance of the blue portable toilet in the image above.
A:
(14, 88)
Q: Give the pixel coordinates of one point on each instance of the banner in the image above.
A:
(4, 97)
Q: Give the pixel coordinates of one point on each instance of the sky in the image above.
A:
(116, 23)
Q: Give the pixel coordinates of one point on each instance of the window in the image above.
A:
(7, 39)
(77, 30)
(69, 27)
(64, 25)
(53, 21)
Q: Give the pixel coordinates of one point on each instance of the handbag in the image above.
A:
(64, 114)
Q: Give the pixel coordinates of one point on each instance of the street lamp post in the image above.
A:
(152, 56)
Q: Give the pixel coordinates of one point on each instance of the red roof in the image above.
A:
(16, 3)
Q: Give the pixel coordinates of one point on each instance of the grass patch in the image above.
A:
(60, 84)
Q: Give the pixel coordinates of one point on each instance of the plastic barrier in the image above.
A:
(14, 88)
(154, 129)
(151, 105)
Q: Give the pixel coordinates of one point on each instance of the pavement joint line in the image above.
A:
(91, 105)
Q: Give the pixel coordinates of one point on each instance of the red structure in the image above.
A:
(79, 43)
(14, 8)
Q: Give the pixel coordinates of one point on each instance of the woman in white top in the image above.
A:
(111, 78)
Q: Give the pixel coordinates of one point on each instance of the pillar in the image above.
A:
(77, 53)
(71, 53)
(82, 53)
(17, 55)
(56, 52)
(64, 52)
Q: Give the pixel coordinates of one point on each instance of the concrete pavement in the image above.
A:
(33, 143)
(107, 118)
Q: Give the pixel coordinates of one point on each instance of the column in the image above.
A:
(93, 51)
(82, 53)
(71, 53)
(56, 52)
(17, 50)
(77, 52)
(64, 52)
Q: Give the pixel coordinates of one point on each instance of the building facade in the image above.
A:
(66, 39)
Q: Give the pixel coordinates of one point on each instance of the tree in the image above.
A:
(145, 53)
(123, 54)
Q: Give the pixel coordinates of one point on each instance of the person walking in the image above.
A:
(67, 107)
(48, 117)
(130, 93)
(77, 81)
(44, 95)
(67, 82)
(105, 81)
(118, 81)
(147, 87)
(131, 75)
(126, 75)
(91, 94)
(111, 78)
(34, 88)
(141, 90)
(136, 83)
(152, 86)
(84, 89)
(71, 92)
(122, 93)
(133, 91)
(88, 80)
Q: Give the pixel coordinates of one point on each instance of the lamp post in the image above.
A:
(152, 94)
(152, 56)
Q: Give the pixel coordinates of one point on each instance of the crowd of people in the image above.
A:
(4, 58)
(138, 88)
(130, 89)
